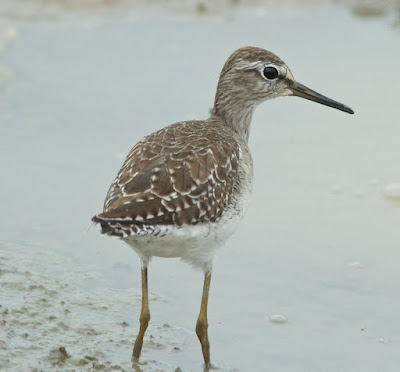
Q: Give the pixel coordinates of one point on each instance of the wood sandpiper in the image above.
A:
(183, 189)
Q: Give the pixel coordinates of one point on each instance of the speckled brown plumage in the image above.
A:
(182, 174)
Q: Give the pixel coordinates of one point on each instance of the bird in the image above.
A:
(183, 189)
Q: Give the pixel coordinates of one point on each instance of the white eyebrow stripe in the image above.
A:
(246, 65)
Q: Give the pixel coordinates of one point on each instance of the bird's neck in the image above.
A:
(236, 118)
(235, 113)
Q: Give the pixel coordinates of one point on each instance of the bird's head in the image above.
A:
(253, 75)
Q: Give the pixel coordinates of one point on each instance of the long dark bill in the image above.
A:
(302, 91)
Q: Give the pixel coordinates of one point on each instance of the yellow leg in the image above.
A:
(202, 323)
(144, 316)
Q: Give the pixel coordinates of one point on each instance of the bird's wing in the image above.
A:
(182, 174)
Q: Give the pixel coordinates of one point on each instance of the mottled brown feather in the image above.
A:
(182, 174)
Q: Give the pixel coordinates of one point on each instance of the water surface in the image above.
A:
(319, 245)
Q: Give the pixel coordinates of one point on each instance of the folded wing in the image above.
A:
(179, 175)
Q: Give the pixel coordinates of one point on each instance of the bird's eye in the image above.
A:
(270, 73)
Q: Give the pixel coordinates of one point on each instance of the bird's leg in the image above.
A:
(202, 323)
(144, 316)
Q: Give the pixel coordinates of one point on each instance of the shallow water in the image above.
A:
(319, 245)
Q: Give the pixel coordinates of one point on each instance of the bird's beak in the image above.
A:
(302, 91)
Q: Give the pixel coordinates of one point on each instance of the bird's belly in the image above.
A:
(195, 244)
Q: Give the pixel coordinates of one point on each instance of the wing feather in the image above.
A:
(182, 174)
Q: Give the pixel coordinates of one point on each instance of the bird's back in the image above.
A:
(188, 173)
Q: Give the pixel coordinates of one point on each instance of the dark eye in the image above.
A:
(270, 72)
